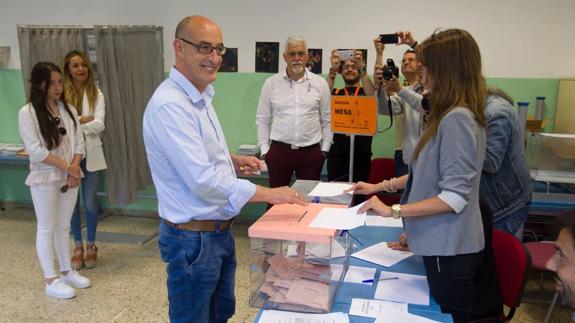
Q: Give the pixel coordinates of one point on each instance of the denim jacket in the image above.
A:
(505, 182)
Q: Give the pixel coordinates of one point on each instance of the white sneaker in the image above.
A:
(76, 280)
(59, 289)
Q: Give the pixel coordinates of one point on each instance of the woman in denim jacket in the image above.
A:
(505, 186)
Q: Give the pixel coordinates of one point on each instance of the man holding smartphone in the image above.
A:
(352, 69)
(294, 119)
(408, 118)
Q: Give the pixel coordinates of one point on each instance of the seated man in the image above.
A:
(353, 72)
(562, 263)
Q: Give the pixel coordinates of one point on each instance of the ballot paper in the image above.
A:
(340, 219)
(379, 221)
(407, 288)
(392, 315)
(330, 189)
(381, 254)
(373, 308)
(292, 317)
(358, 275)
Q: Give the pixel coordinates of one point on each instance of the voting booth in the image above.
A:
(294, 267)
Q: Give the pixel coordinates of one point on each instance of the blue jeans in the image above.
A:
(201, 269)
(90, 185)
(511, 223)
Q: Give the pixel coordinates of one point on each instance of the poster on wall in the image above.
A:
(314, 60)
(267, 57)
(230, 60)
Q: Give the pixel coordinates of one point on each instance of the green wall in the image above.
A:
(236, 103)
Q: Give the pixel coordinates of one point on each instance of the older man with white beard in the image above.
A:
(294, 119)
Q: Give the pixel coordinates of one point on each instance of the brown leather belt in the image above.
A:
(201, 225)
(290, 146)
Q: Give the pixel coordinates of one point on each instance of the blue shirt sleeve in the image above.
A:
(179, 136)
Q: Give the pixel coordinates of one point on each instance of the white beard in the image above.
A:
(297, 69)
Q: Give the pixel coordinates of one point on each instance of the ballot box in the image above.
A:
(551, 157)
(294, 267)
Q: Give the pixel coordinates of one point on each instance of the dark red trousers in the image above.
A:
(282, 162)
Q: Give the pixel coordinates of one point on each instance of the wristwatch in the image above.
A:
(361, 70)
(396, 211)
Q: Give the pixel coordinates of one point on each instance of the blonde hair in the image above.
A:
(453, 64)
(73, 94)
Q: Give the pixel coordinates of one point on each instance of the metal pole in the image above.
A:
(351, 153)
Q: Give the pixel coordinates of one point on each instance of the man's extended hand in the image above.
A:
(379, 46)
(358, 59)
(246, 165)
(335, 60)
(392, 86)
(405, 37)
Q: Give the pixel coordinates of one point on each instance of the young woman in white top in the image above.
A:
(54, 141)
(82, 93)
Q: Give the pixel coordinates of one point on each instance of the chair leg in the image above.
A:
(551, 307)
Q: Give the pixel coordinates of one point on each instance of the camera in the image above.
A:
(390, 70)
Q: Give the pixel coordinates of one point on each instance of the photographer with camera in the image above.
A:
(402, 102)
(352, 70)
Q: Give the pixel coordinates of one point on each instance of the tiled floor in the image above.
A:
(128, 285)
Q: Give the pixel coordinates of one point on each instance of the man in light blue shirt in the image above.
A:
(195, 179)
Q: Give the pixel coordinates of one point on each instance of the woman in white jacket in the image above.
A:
(53, 139)
(82, 93)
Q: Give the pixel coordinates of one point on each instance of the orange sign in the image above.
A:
(354, 115)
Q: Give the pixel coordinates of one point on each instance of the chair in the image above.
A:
(513, 262)
(382, 169)
(541, 252)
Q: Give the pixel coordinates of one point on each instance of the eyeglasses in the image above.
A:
(206, 49)
(61, 130)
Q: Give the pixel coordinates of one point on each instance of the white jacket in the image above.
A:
(36, 146)
(94, 153)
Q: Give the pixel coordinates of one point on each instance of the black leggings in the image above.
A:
(451, 281)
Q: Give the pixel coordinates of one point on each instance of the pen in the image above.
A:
(381, 279)
(304, 213)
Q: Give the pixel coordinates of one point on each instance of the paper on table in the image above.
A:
(330, 189)
(341, 219)
(379, 221)
(373, 308)
(381, 254)
(392, 315)
(357, 275)
(412, 289)
(291, 317)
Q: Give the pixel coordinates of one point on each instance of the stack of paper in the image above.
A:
(405, 288)
(248, 150)
(291, 317)
(341, 219)
(292, 281)
(381, 254)
(392, 315)
(330, 189)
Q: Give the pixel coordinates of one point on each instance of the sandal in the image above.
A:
(77, 261)
(91, 256)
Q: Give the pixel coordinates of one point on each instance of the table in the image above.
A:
(412, 265)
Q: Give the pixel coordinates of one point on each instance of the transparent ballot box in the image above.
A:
(551, 157)
(294, 267)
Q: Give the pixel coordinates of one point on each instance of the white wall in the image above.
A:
(518, 38)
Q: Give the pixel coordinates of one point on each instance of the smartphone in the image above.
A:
(389, 38)
(345, 54)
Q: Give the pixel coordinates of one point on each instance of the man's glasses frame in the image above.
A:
(205, 48)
